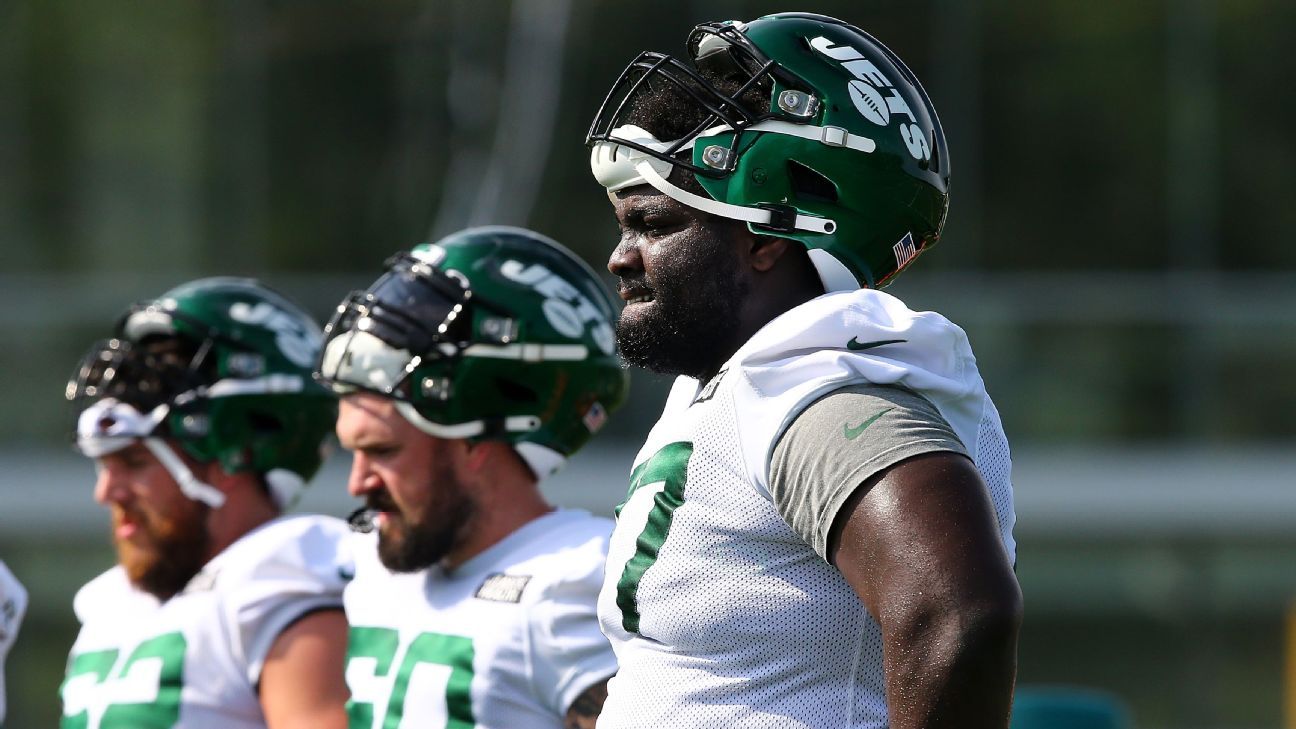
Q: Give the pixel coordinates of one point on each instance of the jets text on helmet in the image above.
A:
(867, 92)
(566, 309)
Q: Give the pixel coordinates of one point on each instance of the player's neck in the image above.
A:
(772, 294)
(246, 507)
(498, 526)
(507, 498)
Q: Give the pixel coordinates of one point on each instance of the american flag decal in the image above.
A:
(595, 417)
(904, 250)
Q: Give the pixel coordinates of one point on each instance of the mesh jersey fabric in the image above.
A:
(193, 662)
(508, 639)
(720, 615)
(13, 605)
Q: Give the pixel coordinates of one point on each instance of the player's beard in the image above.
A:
(416, 537)
(695, 308)
(166, 550)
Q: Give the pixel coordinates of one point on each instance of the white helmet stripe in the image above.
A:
(831, 136)
(267, 385)
(529, 352)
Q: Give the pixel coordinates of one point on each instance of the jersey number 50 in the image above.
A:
(431, 686)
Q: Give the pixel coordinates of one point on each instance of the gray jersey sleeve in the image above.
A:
(841, 440)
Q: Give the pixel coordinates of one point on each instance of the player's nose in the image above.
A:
(110, 487)
(626, 258)
(361, 480)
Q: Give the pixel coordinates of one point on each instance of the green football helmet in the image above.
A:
(490, 333)
(801, 125)
(222, 368)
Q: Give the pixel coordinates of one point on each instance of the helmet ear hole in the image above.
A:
(264, 423)
(810, 185)
(515, 391)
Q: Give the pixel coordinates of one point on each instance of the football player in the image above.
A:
(470, 371)
(819, 528)
(13, 604)
(204, 424)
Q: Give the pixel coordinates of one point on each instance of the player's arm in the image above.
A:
(876, 480)
(920, 545)
(302, 682)
(584, 711)
(570, 661)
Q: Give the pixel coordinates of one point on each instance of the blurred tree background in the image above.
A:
(1120, 248)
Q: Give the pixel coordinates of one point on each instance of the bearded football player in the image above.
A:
(819, 528)
(204, 424)
(472, 369)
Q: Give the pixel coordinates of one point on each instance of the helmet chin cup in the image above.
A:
(615, 160)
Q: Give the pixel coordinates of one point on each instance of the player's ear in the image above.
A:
(213, 472)
(477, 454)
(767, 250)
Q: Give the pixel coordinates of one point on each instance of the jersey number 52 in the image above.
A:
(143, 692)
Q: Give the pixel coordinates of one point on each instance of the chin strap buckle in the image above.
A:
(782, 217)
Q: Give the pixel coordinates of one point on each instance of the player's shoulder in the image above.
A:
(109, 592)
(296, 531)
(568, 529)
(297, 527)
(561, 546)
(296, 544)
(368, 566)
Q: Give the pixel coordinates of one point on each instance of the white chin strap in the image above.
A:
(757, 216)
(542, 461)
(189, 484)
(512, 424)
(109, 426)
(618, 167)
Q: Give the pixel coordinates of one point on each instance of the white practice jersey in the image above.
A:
(720, 615)
(13, 604)
(193, 662)
(507, 640)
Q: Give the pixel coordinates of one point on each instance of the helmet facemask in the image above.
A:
(377, 338)
(729, 87)
(124, 393)
(414, 323)
(141, 376)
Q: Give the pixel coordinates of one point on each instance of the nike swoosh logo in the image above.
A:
(855, 345)
(853, 433)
